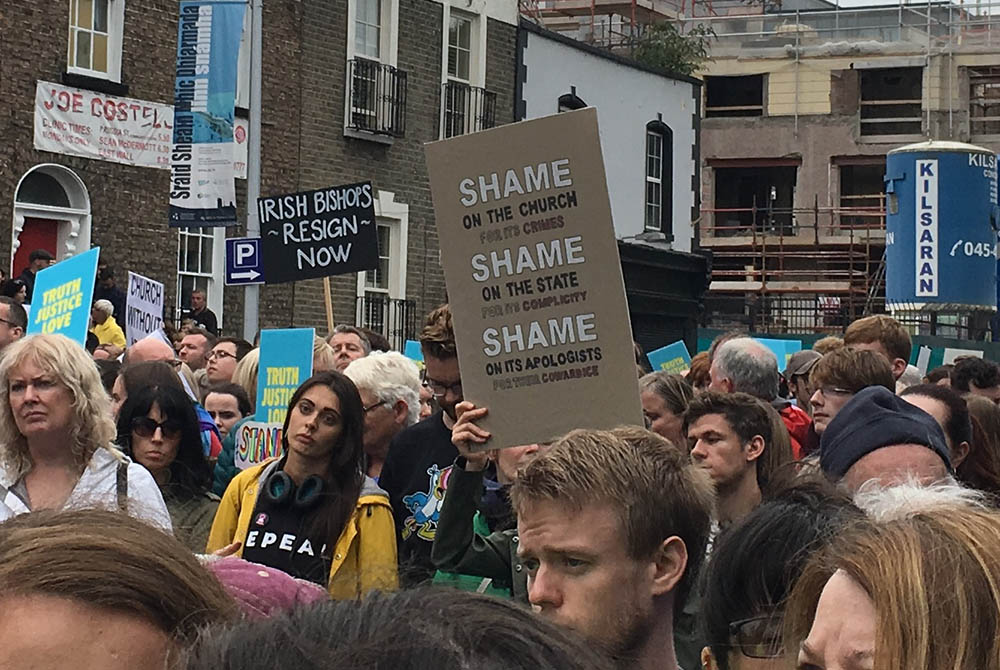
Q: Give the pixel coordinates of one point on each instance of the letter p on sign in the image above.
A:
(244, 251)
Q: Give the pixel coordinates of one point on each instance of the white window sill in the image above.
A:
(387, 140)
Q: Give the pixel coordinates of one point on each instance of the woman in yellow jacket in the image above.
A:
(313, 513)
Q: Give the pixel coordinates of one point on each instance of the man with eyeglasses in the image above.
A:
(420, 457)
(839, 375)
(13, 321)
(222, 359)
(389, 385)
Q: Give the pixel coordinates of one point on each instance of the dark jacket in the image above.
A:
(28, 277)
(457, 548)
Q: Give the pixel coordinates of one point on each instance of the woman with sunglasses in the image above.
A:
(158, 428)
(56, 434)
(312, 512)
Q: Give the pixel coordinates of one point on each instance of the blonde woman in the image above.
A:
(920, 592)
(56, 435)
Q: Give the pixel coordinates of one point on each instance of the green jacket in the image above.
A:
(457, 547)
(225, 466)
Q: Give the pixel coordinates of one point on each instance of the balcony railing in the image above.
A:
(394, 319)
(467, 109)
(378, 97)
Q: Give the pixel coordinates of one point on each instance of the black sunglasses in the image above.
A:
(759, 636)
(143, 426)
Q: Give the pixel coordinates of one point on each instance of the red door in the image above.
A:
(37, 234)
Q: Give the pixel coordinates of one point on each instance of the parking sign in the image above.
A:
(243, 261)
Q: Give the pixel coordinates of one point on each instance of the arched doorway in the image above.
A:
(51, 212)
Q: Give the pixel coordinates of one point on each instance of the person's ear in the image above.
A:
(728, 383)
(898, 367)
(755, 448)
(708, 659)
(400, 411)
(959, 454)
(668, 565)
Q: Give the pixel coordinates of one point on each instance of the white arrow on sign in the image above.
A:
(249, 274)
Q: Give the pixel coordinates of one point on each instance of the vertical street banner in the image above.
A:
(534, 279)
(202, 186)
(285, 362)
(143, 307)
(321, 233)
(62, 297)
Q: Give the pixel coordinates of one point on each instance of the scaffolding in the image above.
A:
(816, 274)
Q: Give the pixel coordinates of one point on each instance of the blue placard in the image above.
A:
(286, 358)
(413, 351)
(673, 358)
(62, 297)
(782, 349)
(243, 261)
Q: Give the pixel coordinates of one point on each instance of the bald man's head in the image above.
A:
(150, 349)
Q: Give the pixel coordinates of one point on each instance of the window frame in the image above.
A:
(115, 26)
(214, 279)
(388, 53)
(664, 181)
(395, 216)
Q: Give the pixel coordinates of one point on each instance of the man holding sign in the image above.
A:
(421, 456)
(534, 278)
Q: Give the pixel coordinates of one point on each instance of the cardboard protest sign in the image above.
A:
(256, 442)
(320, 233)
(62, 297)
(534, 280)
(673, 358)
(285, 362)
(143, 307)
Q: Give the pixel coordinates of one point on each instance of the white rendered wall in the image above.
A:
(626, 99)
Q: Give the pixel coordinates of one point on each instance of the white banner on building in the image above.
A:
(75, 122)
(143, 307)
(94, 125)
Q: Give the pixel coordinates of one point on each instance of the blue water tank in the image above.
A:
(941, 229)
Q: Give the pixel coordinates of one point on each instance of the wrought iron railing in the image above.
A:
(467, 109)
(395, 319)
(377, 97)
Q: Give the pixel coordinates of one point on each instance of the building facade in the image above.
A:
(352, 89)
(649, 127)
(800, 110)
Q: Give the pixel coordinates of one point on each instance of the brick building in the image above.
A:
(352, 89)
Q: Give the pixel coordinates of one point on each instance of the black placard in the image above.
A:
(329, 231)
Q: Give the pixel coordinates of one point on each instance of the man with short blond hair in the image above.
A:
(611, 531)
(195, 345)
(883, 335)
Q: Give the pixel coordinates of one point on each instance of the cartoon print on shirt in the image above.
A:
(426, 507)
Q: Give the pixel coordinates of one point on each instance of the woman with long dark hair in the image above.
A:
(312, 512)
(159, 429)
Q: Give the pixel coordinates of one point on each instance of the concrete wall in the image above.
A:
(626, 98)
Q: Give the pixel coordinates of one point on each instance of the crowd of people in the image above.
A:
(823, 513)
